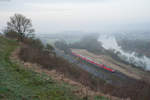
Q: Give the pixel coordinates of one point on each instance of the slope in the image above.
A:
(17, 83)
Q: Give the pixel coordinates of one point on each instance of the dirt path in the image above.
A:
(81, 90)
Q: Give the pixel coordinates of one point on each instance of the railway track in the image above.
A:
(115, 78)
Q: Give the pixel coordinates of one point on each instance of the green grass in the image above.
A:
(100, 98)
(17, 83)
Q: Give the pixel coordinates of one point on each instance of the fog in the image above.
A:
(53, 16)
(89, 16)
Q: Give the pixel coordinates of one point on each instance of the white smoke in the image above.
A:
(109, 42)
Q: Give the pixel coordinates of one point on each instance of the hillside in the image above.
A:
(17, 83)
(128, 70)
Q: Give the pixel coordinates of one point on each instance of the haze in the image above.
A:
(52, 16)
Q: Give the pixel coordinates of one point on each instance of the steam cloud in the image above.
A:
(109, 42)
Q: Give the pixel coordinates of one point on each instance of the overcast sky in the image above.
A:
(50, 16)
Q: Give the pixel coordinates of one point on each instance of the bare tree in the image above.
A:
(20, 24)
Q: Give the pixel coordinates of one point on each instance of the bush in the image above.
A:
(34, 43)
(62, 45)
(34, 55)
(34, 52)
(11, 34)
(90, 43)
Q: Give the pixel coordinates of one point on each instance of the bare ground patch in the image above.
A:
(80, 89)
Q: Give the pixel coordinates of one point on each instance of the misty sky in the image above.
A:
(50, 16)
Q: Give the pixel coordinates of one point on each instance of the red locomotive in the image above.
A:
(92, 62)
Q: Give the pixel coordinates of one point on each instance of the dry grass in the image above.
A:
(125, 69)
(80, 90)
(138, 90)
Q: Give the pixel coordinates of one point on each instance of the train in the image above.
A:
(92, 62)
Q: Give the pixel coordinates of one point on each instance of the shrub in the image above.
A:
(34, 51)
(11, 34)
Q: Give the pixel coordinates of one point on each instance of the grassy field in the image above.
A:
(17, 83)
